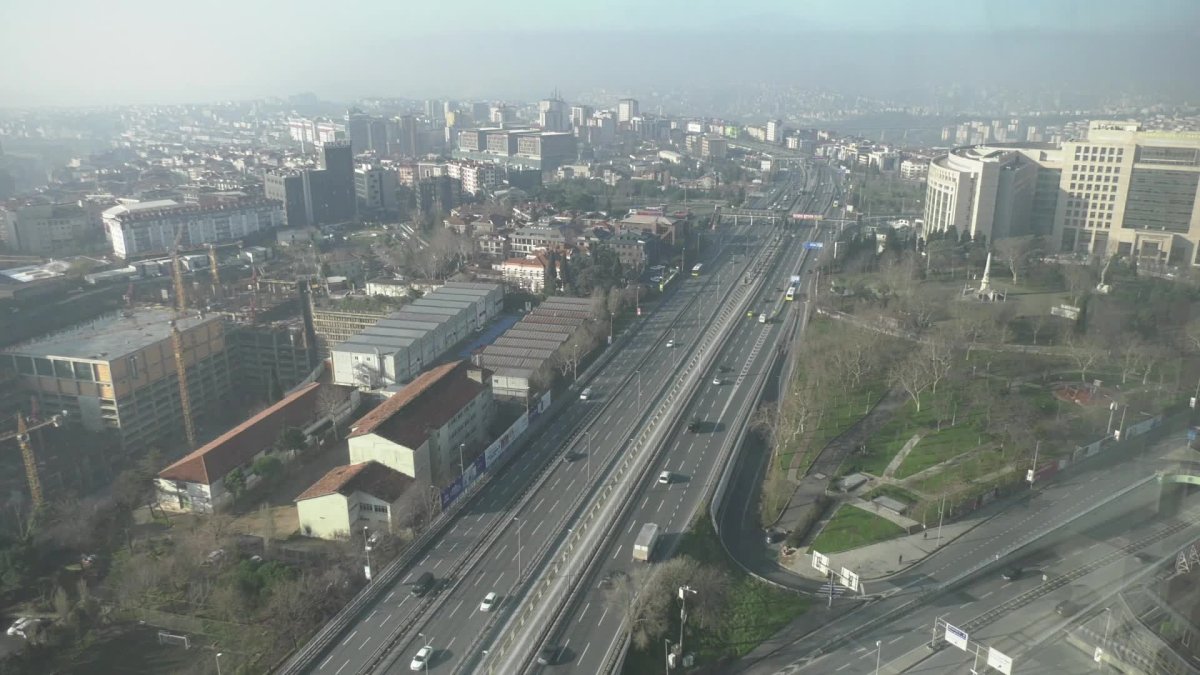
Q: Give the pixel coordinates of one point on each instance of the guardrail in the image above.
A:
(395, 637)
(710, 346)
(303, 659)
(688, 379)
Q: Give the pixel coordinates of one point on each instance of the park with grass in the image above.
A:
(960, 389)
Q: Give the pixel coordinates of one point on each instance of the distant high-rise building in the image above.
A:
(480, 111)
(580, 114)
(317, 197)
(627, 109)
(404, 136)
(435, 111)
(775, 131)
(502, 115)
(48, 229)
(366, 132)
(552, 114)
(376, 188)
(1131, 192)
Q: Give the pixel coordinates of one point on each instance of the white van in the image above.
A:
(585, 394)
(762, 318)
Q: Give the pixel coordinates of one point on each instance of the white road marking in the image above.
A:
(325, 662)
(343, 667)
(349, 637)
(986, 595)
(372, 615)
(584, 611)
(617, 552)
(384, 622)
(842, 667)
(364, 644)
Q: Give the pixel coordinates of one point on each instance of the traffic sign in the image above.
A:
(999, 661)
(956, 637)
(820, 562)
(849, 579)
(813, 244)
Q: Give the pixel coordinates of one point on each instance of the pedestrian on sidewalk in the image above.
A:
(901, 560)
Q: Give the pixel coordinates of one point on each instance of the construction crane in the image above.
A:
(22, 436)
(214, 270)
(185, 400)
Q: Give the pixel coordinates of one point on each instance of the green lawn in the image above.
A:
(756, 610)
(938, 446)
(853, 527)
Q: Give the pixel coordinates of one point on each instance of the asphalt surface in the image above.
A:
(594, 623)
(1086, 540)
(611, 412)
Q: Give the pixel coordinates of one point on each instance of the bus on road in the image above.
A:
(696, 269)
(791, 293)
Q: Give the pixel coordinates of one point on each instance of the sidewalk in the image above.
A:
(882, 560)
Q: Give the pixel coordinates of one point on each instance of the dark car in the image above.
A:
(1012, 574)
(1066, 608)
(423, 584)
(694, 425)
(548, 656)
(774, 536)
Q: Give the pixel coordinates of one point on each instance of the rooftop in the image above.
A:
(240, 444)
(425, 404)
(372, 478)
(111, 336)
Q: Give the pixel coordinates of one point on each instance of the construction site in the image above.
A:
(163, 354)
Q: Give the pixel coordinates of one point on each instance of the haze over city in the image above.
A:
(138, 51)
(796, 337)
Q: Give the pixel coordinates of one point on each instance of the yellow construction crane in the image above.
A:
(22, 436)
(214, 270)
(185, 401)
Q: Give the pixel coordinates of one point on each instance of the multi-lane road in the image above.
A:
(579, 443)
(1088, 516)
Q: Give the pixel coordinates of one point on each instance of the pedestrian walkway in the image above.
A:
(882, 560)
(899, 458)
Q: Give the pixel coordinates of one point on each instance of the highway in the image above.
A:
(1087, 515)
(611, 413)
(594, 623)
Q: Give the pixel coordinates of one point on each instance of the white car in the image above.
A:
(489, 601)
(717, 381)
(421, 660)
(664, 478)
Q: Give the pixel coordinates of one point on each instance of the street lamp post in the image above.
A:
(683, 591)
(878, 653)
(639, 376)
(520, 568)
(462, 467)
(589, 455)
(941, 516)
(427, 641)
(1033, 471)
(667, 655)
(367, 550)
(433, 502)
(218, 658)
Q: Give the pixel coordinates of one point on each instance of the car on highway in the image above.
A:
(489, 601)
(423, 584)
(773, 537)
(421, 658)
(548, 656)
(585, 394)
(671, 343)
(717, 381)
(1066, 608)
(1012, 574)
(664, 478)
(694, 425)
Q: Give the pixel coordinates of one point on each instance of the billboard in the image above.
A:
(956, 637)
(820, 562)
(807, 216)
(999, 661)
(849, 579)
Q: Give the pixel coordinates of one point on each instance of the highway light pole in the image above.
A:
(589, 455)
(683, 591)
(941, 516)
(219, 655)
(639, 376)
(427, 641)
(1107, 620)
(878, 653)
(1033, 471)
(462, 467)
(367, 550)
(519, 523)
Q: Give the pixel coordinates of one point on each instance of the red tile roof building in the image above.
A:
(349, 498)
(419, 429)
(195, 482)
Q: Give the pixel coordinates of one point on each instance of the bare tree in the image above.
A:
(939, 359)
(912, 375)
(1084, 353)
(1015, 252)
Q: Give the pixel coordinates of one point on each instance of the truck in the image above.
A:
(643, 547)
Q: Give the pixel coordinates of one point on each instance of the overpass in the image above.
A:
(772, 216)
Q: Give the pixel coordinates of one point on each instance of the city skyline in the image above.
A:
(265, 53)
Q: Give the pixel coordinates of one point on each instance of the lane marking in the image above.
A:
(584, 611)
(343, 667)
(364, 644)
(349, 637)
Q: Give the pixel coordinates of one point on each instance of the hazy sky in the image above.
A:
(64, 52)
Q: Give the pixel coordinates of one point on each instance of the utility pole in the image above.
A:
(941, 515)
(683, 591)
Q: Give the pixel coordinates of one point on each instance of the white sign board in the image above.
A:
(849, 579)
(956, 637)
(999, 661)
(820, 562)
(1099, 655)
